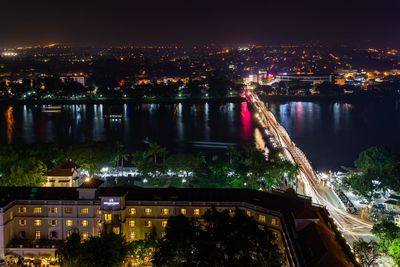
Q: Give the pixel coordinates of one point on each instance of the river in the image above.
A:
(178, 127)
(332, 133)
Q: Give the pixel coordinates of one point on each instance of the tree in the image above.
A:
(184, 163)
(361, 184)
(69, 252)
(394, 250)
(219, 86)
(217, 239)
(141, 160)
(237, 240)
(179, 244)
(92, 156)
(51, 154)
(367, 252)
(108, 250)
(327, 88)
(378, 164)
(155, 150)
(27, 172)
(142, 251)
(121, 155)
(386, 231)
(251, 166)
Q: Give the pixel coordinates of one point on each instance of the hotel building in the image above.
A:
(32, 220)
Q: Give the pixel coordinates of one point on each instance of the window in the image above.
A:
(68, 223)
(132, 223)
(53, 210)
(164, 211)
(53, 222)
(53, 234)
(68, 210)
(248, 213)
(196, 212)
(146, 235)
(274, 221)
(261, 218)
(164, 223)
(69, 233)
(37, 235)
(22, 210)
(22, 235)
(163, 234)
(22, 222)
(85, 235)
(98, 211)
(132, 211)
(147, 211)
(84, 223)
(147, 224)
(116, 230)
(132, 236)
(37, 210)
(84, 210)
(183, 211)
(37, 222)
(108, 217)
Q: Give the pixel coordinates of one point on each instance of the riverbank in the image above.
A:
(228, 99)
(315, 98)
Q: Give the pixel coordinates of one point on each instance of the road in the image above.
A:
(351, 226)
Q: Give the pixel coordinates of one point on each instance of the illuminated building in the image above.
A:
(9, 54)
(304, 232)
(314, 79)
(65, 175)
(78, 79)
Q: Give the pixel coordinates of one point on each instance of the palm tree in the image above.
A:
(141, 161)
(155, 150)
(163, 152)
(122, 155)
(232, 153)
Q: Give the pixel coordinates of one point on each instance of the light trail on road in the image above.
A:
(348, 223)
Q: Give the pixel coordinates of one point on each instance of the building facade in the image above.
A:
(65, 175)
(313, 79)
(32, 220)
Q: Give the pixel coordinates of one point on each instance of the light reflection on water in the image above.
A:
(332, 133)
(9, 118)
(174, 126)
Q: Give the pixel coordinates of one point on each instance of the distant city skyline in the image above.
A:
(181, 22)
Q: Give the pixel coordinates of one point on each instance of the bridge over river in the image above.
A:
(307, 181)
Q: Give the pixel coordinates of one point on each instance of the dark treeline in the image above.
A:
(386, 88)
(111, 87)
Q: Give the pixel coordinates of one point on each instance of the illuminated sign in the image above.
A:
(111, 202)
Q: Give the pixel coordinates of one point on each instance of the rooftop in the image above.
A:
(318, 243)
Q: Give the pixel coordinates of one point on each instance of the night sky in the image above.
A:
(95, 22)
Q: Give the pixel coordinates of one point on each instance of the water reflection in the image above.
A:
(246, 121)
(174, 126)
(333, 133)
(9, 118)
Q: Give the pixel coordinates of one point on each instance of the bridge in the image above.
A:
(351, 225)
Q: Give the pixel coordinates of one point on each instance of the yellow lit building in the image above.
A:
(305, 233)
